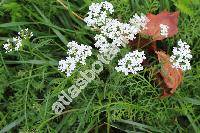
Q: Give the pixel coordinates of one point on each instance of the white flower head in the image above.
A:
(164, 30)
(25, 34)
(139, 22)
(79, 52)
(98, 13)
(104, 46)
(120, 33)
(7, 46)
(181, 56)
(108, 6)
(131, 63)
(17, 42)
(68, 65)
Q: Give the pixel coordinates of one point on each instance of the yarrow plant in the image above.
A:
(98, 12)
(16, 42)
(112, 36)
(25, 34)
(115, 34)
(181, 56)
(77, 53)
(7, 46)
(131, 63)
(119, 33)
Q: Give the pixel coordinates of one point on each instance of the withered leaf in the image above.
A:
(172, 77)
(166, 18)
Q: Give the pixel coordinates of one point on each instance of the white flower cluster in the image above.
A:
(121, 33)
(181, 56)
(139, 22)
(118, 33)
(104, 46)
(164, 30)
(131, 63)
(77, 53)
(25, 34)
(17, 41)
(8, 46)
(98, 13)
(68, 65)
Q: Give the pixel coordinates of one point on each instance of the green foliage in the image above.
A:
(3, 81)
(145, 6)
(187, 6)
(14, 9)
(113, 102)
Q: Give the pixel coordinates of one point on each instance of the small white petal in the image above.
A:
(181, 56)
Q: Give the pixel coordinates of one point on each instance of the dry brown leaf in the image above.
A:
(171, 76)
(166, 18)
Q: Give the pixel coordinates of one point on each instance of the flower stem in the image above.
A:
(75, 14)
